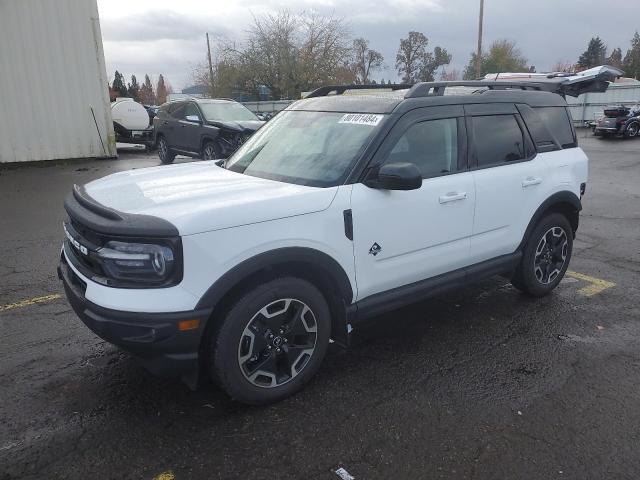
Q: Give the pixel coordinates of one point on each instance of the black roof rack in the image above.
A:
(340, 89)
(432, 89)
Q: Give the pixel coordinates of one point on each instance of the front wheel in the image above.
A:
(546, 256)
(271, 341)
(210, 151)
(165, 153)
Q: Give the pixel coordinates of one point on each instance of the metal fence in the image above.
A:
(589, 106)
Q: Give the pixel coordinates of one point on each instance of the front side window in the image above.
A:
(307, 148)
(191, 109)
(177, 110)
(558, 123)
(498, 139)
(431, 145)
(226, 112)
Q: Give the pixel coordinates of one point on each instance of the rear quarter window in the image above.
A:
(559, 123)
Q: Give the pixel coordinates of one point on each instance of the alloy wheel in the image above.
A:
(551, 255)
(209, 152)
(632, 130)
(277, 343)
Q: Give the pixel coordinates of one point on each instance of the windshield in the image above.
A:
(307, 148)
(226, 112)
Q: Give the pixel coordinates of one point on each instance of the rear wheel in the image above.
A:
(632, 130)
(545, 257)
(165, 153)
(271, 341)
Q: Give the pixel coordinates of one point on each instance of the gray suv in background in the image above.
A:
(202, 128)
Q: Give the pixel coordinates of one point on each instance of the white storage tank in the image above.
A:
(54, 87)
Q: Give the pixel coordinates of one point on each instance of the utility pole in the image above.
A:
(210, 66)
(479, 52)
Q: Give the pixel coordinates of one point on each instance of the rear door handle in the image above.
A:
(452, 197)
(529, 181)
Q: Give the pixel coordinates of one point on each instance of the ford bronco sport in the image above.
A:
(340, 208)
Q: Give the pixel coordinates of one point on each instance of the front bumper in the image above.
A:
(154, 338)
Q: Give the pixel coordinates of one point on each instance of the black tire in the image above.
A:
(165, 153)
(244, 347)
(210, 151)
(632, 130)
(534, 259)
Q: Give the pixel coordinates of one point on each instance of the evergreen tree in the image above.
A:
(161, 91)
(594, 55)
(615, 59)
(631, 64)
(147, 95)
(134, 89)
(118, 84)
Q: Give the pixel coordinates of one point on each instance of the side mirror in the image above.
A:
(396, 176)
(192, 118)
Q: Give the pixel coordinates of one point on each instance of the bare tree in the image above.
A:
(450, 75)
(323, 51)
(563, 66)
(365, 60)
(290, 53)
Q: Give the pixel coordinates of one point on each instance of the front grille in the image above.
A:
(81, 251)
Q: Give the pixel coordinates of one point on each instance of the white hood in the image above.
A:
(200, 196)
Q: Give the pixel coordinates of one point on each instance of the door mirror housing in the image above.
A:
(192, 118)
(396, 176)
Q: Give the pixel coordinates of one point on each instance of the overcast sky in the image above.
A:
(168, 37)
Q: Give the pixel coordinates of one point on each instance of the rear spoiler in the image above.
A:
(595, 79)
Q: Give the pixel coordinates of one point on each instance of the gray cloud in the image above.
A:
(170, 41)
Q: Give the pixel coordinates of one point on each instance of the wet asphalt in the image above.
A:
(483, 383)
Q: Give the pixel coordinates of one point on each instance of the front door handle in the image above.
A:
(529, 181)
(452, 197)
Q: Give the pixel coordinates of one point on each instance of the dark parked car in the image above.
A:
(620, 120)
(202, 128)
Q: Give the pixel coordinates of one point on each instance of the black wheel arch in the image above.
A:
(313, 265)
(565, 202)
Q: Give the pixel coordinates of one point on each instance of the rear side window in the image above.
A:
(558, 122)
(498, 139)
(431, 145)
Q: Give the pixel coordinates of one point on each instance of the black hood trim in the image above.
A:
(85, 210)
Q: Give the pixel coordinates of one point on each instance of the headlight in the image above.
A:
(137, 262)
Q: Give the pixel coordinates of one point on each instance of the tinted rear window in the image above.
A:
(498, 139)
(558, 122)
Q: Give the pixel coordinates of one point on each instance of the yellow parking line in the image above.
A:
(165, 476)
(596, 285)
(30, 301)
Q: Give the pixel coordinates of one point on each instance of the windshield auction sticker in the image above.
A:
(361, 119)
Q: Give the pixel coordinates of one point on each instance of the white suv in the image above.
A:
(339, 208)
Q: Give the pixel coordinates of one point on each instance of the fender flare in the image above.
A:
(563, 197)
(272, 258)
